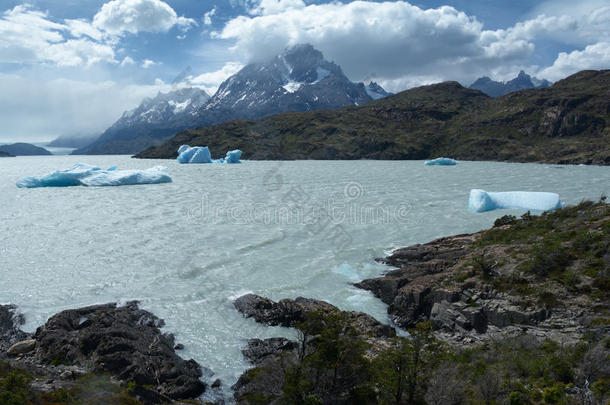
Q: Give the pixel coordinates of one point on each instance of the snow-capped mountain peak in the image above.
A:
(166, 106)
(298, 79)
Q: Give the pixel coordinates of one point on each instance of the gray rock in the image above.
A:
(123, 341)
(289, 313)
(22, 347)
(10, 322)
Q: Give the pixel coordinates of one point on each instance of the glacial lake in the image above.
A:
(279, 229)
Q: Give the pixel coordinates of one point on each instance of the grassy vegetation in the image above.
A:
(335, 366)
(570, 246)
(16, 389)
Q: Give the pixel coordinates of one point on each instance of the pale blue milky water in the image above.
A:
(279, 229)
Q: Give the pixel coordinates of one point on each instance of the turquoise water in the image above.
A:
(279, 229)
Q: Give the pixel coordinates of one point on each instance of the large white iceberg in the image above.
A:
(82, 174)
(441, 161)
(201, 154)
(481, 200)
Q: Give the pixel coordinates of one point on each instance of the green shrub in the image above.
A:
(553, 394)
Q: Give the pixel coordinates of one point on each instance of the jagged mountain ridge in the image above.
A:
(299, 79)
(523, 81)
(152, 122)
(568, 122)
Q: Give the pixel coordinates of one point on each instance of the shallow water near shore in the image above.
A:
(279, 229)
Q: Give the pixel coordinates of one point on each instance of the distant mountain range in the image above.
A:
(4, 154)
(299, 79)
(568, 122)
(523, 81)
(24, 149)
(72, 141)
(152, 122)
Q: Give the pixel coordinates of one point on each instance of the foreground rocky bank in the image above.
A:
(543, 275)
(518, 314)
(118, 352)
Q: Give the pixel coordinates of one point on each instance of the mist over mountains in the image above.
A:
(297, 80)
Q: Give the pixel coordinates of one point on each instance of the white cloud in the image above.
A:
(397, 41)
(59, 107)
(146, 63)
(566, 7)
(28, 36)
(80, 28)
(210, 81)
(127, 61)
(580, 27)
(78, 52)
(118, 17)
(266, 7)
(207, 17)
(595, 56)
(390, 39)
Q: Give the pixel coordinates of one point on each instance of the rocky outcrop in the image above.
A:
(257, 350)
(273, 358)
(10, 332)
(478, 287)
(122, 341)
(289, 313)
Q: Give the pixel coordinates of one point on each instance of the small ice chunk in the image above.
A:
(82, 174)
(233, 156)
(197, 154)
(441, 161)
(481, 201)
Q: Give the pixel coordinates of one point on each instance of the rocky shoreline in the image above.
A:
(122, 342)
(475, 288)
(523, 306)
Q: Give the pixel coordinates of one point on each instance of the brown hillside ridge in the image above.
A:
(567, 123)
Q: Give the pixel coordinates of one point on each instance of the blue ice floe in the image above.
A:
(197, 154)
(481, 201)
(201, 154)
(233, 156)
(82, 174)
(441, 161)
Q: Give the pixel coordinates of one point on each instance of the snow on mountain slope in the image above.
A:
(153, 121)
(299, 79)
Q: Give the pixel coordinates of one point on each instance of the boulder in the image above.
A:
(10, 322)
(23, 347)
(289, 313)
(124, 341)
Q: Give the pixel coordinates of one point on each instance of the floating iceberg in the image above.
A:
(233, 156)
(197, 154)
(82, 174)
(201, 154)
(481, 200)
(441, 161)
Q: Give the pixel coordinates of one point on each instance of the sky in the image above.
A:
(73, 67)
